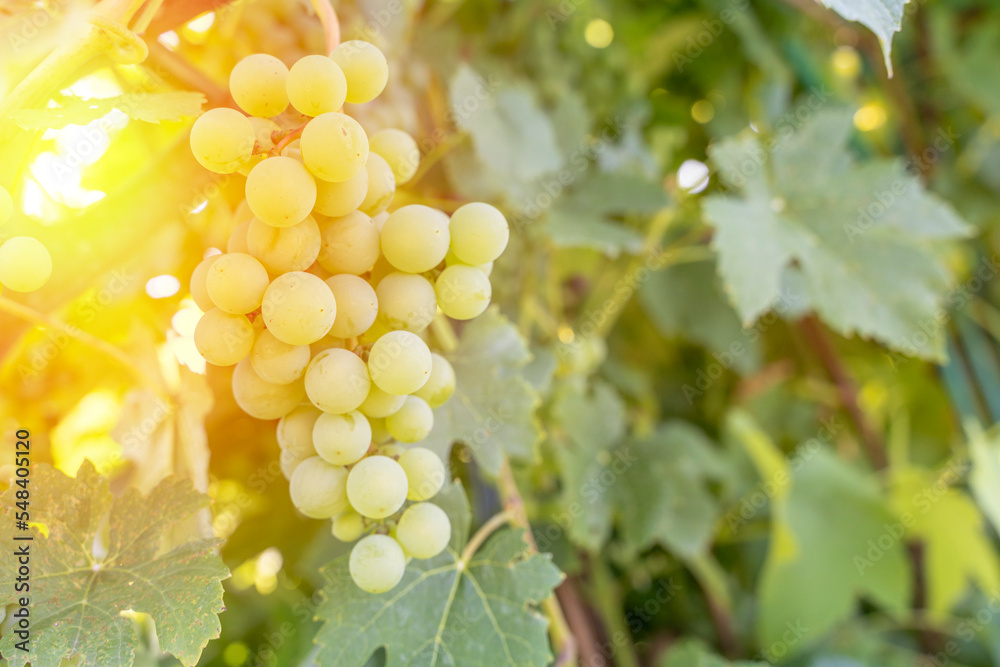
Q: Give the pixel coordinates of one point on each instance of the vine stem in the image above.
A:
(609, 605)
(711, 578)
(487, 529)
(331, 24)
(287, 139)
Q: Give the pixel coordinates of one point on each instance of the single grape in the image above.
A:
(258, 84)
(342, 439)
(223, 338)
(377, 563)
(479, 233)
(277, 361)
(424, 530)
(339, 199)
(316, 85)
(337, 381)
(400, 150)
(199, 291)
(334, 147)
(318, 488)
(380, 434)
(415, 238)
(379, 220)
(280, 191)
(463, 292)
(289, 460)
(425, 472)
(298, 308)
(357, 305)
(365, 67)
(407, 301)
(412, 422)
(236, 283)
(222, 140)
(25, 264)
(349, 244)
(262, 399)
(381, 186)
(284, 249)
(451, 259)
(440, 385)
(6, 205)
(376, 487)
(380, 404)
(399, 362)
(348, 526)
(238, 239)
(295, 431)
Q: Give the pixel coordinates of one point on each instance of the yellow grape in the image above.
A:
(412, 422)
(223, 338)
(440, 385)
(284, 249)
(365, 67)
(337, 199)
(334, 147)
(377, 563)
(236, 283)
(349, 244)
(399, 362)
(406, 301)
(380, 404)
(222, 140)
(337, 381)
(316, 85)
(262, 399)
(280, 191)
(423, 530)
(425, 472)
(463, 292)
(318, 488)
(415, 238)
(277, 361)
(479, 233)
(342, 439)
(348, 526)
(199, 292)
(25, 264)
(399, 150)
(376, 487)
(381, 185)
(357, 305)
(298, 308)
(258, 84)
(238, 239)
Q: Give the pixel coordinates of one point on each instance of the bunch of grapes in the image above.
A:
(25, 264)
(323, 298)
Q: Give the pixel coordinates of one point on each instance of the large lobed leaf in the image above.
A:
(882, 17)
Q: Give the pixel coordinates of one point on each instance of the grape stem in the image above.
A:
(288, 138)
(331, 24)
(491, 526)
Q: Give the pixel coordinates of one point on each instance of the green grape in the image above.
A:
(399, 362)
(337, 381)
(222, 338)
(380, 404)
(262, 399)
(357, 305)
(479, 233)
(338, 199)
(350, 244)
(316, 85)
(295, 431)
(6, 205)
(289, 460)
(365, 67)
(348, 526)
(298, 308)
(376, 487)
(342, 439)
(258, 84)
(222, 140)
(425, 472)
(318, 488)
(440, 385)
(236, 283)
(406, 301)
(415, 238)
(284, 249)
(280, 191)
(424, 530)
(199, 292)
(238, 239)
(380, 270)
(380, 434)
(381, 186)
(277, 361)
(377, 563)
(412, 422)
(293, 149)
(379, 221)
(25, 264)
(400, 150)
(334, 147)
(463, 292)
(451, 259)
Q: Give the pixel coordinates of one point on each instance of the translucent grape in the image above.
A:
(280, 191)
(337, 381)
(262, 399)
(357, 305)
(348, 526)
(412, 422)
(381, 186)
(424, 530)
(399, 362)
(415, 238)
(380, 434)
(222, 338)
(365, 67)
(298, 308)
(337, 199)
(377, 563)
(463, 292)
(277, 361)
(316, 85)
(236, 283)
(451, 258)
(295, 430)
(334, 147)
(380, 404)
(425, 472)
(379, 220)
(258, 84)
(349, 244)
(289, 461)
(284, 249)
(222, 140)
(199, 292)
(318, 488)
(25, 264)
(400, 150)
(376, 487)
(479, 233)
(342, 439)
(440, 385)
(238, 239)
(407, 301)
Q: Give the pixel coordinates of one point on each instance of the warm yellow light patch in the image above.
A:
(846, 62)
(702, 111)
(85, 433)
(870, 117)
(599, 33)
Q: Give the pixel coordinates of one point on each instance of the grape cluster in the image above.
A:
(323, 298)
(25, 263)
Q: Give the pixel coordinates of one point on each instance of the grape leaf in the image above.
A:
(862, 236)
(984, 478)
(83, 580)
(147, 107)
(454, 609)
(493, 408)
(694, 653)
(882, 17)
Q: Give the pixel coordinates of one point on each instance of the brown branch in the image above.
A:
(579, 621)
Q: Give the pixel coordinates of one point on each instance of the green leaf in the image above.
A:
(882, 17)
(694, 653)
(984, 478)
(84, 579)
(863, 237)
(493, 409)
(147, 107)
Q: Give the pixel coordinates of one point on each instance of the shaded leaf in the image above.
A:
(147, 107)
(882, 17)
